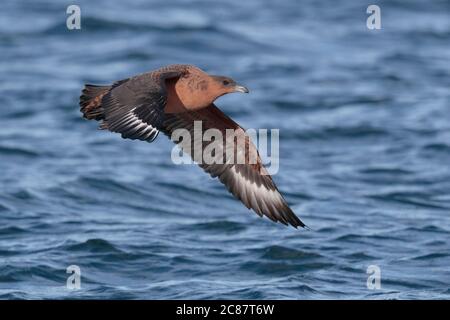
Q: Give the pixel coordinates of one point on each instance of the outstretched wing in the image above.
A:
(248, 181)
(133, 107)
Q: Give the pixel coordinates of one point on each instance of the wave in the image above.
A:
(216, 226)
(94, 245)
(18, 151)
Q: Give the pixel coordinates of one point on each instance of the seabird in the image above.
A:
(173, 97)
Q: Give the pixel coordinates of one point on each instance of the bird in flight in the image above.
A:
(175, 97)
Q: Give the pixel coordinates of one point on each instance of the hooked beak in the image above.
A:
(239, 88)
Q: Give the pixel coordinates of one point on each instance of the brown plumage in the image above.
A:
(173, 97)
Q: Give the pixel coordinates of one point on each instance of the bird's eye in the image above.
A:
(226, 82)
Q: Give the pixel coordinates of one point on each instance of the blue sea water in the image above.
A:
(365, 152)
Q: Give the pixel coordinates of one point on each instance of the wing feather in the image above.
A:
(134, 107)
(248, 182)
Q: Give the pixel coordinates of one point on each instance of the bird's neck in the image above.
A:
(190, 94)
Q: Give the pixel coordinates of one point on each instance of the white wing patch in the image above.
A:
(262, 200)
(134, 128)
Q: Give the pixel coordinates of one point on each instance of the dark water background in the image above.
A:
(365, 152)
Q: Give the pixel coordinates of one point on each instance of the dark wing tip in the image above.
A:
(293, 220)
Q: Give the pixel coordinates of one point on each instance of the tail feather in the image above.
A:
(91, 101)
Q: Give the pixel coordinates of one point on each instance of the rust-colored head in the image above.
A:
(196, 89)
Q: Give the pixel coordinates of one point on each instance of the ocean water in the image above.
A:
(364, 156)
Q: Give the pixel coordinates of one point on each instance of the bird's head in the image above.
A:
(196, 89)
(224, 85)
